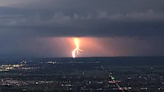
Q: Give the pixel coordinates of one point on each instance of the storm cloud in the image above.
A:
(83, 17)
(27, 24)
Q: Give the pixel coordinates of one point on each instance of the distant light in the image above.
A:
(112, 78)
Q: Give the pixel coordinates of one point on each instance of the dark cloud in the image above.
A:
(21, 20)
(100, 23)
(91, 28)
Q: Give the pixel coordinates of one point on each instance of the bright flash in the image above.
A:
(77, 49)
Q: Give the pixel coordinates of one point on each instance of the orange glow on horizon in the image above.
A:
(77, 49)
(92, 46)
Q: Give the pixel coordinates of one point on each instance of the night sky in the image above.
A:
(106, 28)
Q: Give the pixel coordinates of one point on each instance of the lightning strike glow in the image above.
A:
(77, 49)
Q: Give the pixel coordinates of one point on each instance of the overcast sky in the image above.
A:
(123, 24)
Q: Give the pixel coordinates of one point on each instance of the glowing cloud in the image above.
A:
(77, 49)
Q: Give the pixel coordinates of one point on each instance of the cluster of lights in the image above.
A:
(9, 67)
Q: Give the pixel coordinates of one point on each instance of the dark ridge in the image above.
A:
(111, 60)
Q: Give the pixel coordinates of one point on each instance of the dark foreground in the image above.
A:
(130, 74)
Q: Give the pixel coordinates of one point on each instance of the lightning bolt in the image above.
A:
(77, 49)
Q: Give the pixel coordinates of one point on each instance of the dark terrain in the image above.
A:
(118, 74)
